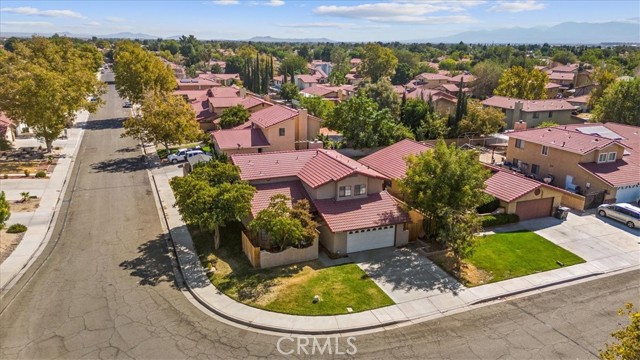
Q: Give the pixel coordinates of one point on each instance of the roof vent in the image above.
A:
(563, 144)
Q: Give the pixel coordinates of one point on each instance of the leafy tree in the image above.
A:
(377, 62)
(447, 185)
(164, 119)
(447, 64)
(414, 111)
(434, 126)
(170, 45)
(425, 68)
(318, 106)
(212, 195)
(216, 69)
(137, 71)
(234, 116)
(487, 78)
(603, 77)
(620, 103)
(482, 120)
(293, 65)
(546, 124)
(5, 213)
(403, 74)
(383, 94)
(627, 345)
(289, 91)
(519, 83)
(340, 61)
(46, 81)
(564, 57)
(407, 57)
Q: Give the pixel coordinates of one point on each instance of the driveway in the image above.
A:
(404, 274)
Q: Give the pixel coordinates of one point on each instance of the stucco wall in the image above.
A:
(313, 128)
(333, 242)
(559, 117)
(281, 143)
(327, 191)
(402, 235)
(288, 256)
(510, 208)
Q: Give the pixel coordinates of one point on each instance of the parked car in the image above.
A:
(127, 104)
(625, 213)
(182, 155)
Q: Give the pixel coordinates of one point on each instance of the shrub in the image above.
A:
(499, 219)
(489, 207)
(27, 173)
(25, 196)
(16, 229)
(41, 174)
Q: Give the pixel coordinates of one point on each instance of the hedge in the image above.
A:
(499, 219)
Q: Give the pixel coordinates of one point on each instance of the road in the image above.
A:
(104, 288)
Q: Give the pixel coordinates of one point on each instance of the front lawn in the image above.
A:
(286, 289)
(509, 255)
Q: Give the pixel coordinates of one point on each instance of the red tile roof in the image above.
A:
(201, 108)
(272, 165)
(225, 102)
(191, 94)
(529, 105)
(579, 99)
(371, 211)
(224, 76)
(307, 78)
(230, 139)
(559, 138)
(450, 87)
(329, 165)
(272, 115)
(4, 119)
(317, 91)
(390, 161)
(430, 76)
(422, 93)
(224, 91)
(293, 189)
(565, 68)
(561, 76)
(465, 78)
(508, 187)
(552, 85)
(617, 173)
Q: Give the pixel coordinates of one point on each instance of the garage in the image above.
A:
(372, 238)
(628, 194)
(533, 209)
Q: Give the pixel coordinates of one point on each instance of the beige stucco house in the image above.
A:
(532, 112)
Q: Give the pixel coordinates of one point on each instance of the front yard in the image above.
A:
(508, 255)
(286, 289)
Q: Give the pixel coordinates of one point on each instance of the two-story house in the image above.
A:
(443, 102)
(585, 159)
(532, 112)
(355, 213)
(304, 81)
(430, 81)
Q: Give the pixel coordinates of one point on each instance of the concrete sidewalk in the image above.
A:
(435, 305)
(42, 220)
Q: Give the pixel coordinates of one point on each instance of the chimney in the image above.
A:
(520, 125)
(303, 118)
(243, 92)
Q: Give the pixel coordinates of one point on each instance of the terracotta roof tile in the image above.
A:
(371, 211)
(330, 166)
(224, 91)
(272, 165)
(617, 173)
(430, 76)
(317, 90)
(465, 79)
(239, 139)
(272, 115)
(390, 161)
(561, 76)
(508, 187)
(529, 105)
(307, 78)
(293, 189)
(201, 108)
(559, 138)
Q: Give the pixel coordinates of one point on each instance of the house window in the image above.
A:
(536, 115)
(602, 157)
(535, 169)
(545, 150)
(550, 114)
(612, 156)
(519, 144)
(360, 189)
(344, 191)
(281, 131)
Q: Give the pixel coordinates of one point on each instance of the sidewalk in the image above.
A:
(406, 312)
(43, 219)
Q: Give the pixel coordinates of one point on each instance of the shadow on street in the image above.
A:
(153, 265)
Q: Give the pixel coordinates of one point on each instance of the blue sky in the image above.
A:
(387, 20)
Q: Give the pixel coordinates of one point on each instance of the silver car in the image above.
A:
(625, 213)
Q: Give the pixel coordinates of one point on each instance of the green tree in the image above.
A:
(414, 111)
(487, 75)
(403, 74)
(434, 126)
(164, 119)
(447, 185)
(519, 83)
(289, 91)
(377, 62)
(212, 195)
(216, 69)
(318, 106)
(340, 61)
(546, 124)
(564, 57)
(620, 103)
(293, 65)
(482, 120)
(137, 71)
(603, 77)
(447, 64)
(384, 95)
(234, 116)
(5, 213)
(46, 81)
(627, 345)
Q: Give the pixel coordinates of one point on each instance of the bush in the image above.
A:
(16, 229)
(27, 173)
(489, 207)
(499, 219)
(41, 174)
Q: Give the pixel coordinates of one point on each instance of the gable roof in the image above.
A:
(329, 165)
(307, 78)
(223, 91)
(318, 90)
(508, 187)
(272, 115)
(565, 68)
(201, 107)
(390, 161)
(529, 105)
(430, 76)
(465, 78)
(224, 76)
(617, 173)
(230, 139)
(559, 138)
(450, 87)
(422, 93)
(561, 76)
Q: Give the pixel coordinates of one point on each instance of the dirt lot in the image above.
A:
(27, 206)
(8, 243)
(468, 274)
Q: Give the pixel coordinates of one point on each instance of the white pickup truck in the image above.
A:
(183, 154)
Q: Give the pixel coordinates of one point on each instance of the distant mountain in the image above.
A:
(272, 39)
(122, 35)
(129, 35)
(563, 33)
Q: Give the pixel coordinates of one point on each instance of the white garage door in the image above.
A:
(374, 238)
(628, 194)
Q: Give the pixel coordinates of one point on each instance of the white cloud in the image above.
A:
(268, 3)
(27, 10)
(92, 23)
(401, 12)
(115, 19)
(226, 2)
(27, 23)
(516, 6)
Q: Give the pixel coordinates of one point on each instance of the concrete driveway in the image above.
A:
(404, 274)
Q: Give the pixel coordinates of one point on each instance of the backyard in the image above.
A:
(503, 256)
(286, 289)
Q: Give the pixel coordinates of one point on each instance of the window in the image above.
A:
(612, 156)
(602, 157)
(281, 131)
(360, 189)
(550, 114)
(545, 150)
(535, 169)
(519, 144)
(536, 115)
(344, 191)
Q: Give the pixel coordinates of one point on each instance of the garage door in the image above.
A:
(628, 194)
(533, 209)
(367, 239)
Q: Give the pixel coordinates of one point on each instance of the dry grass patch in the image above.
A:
(8, 244)
(468, 273)
(27, 206)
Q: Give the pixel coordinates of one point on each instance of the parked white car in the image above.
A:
(182, 155)
(625, 213)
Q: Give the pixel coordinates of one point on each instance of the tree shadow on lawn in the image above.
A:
(153, 265)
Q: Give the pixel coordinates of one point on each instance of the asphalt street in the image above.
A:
(104, 288)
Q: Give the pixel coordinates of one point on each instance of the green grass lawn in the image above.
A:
(513, 254)
(286, 289)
